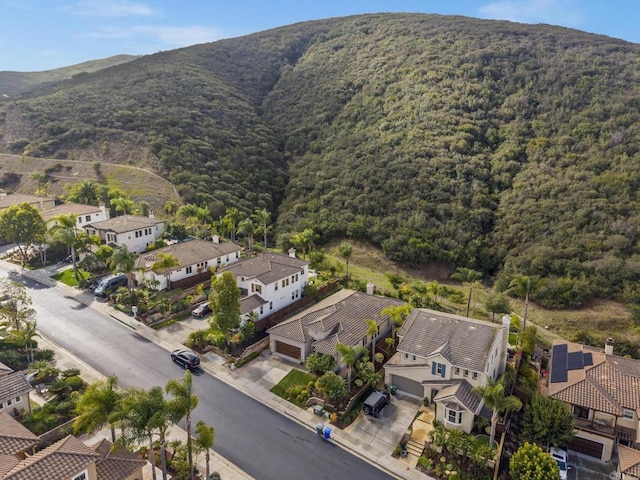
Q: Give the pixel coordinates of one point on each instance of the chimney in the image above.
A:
(104, 211)
(292, 252)
(608, 346)
(215, 238)
(370, 288)
(151, 214)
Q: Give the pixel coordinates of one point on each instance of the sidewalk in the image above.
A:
(255, 379)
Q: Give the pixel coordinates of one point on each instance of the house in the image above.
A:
(442, 357)
(273, 280)
(342, 318)
(628, 463)
(195, 259)
(132, 231)
(603, 390)
(14, 391)
(70, 459)
(16, 442)
(85, 214)
(41, 203)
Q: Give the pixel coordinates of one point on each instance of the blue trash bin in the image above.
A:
(327, 432)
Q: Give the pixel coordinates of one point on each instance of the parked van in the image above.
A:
(110, 284)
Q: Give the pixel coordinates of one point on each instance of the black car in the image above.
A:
(186, 359)
(376, 402)
(201, 310)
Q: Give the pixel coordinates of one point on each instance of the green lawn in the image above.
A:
(295, 378)
(67, 277)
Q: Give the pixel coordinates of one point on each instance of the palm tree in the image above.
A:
(494, 398)
(435, 289)
(170, 208)
(521, 286)
(122, 205)
(372, 331)
(262, 219)
(144, 208)
(96, 405)
(42, 179)
(205, 436)
(469, 278)
(247, 228)
(165, 263)
(344, 250)
(183, 403)
(65, 231)
(24, 336)
(397, 314)
(189, 214)
(350, 356)
(124, 261)
(230, 221)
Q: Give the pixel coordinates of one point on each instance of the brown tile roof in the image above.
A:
(463, 392)
(125, 223)
(14, 437)
(248, 304)
(7, 462)
(4, 369)
(629, 461)
(465, 342)
(67, 209)
(266, 267)
(117, 464)
(189, 253)
(9, 200)
(60, 461)
(611, 384)
(344, 321)
(12, 385)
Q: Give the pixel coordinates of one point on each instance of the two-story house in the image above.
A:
(442, 357)
(339, 319)
(273, 280)
(603, 390)
(85, 214)
(133, 231)
(195, 259)
(14, 391)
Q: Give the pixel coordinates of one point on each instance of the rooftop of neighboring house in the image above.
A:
(462, 391)
(464, 342)
(70, 208)
(345, 320)
(125, 223)
(250, 303)
(188, 253)
(9, 200)
(116, 464)
(592, 378)
(629, 461)
(14, 437)
(12, 384)
(267, 267)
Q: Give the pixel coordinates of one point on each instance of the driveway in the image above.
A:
(583, 467)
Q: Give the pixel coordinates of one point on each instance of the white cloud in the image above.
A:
(556, 12)
(181, 36)
(109, 8)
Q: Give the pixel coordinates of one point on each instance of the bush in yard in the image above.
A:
(530, 462)
(332, 385)
(76, 383)
(320, 363)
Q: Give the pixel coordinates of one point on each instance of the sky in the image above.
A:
(37, 35)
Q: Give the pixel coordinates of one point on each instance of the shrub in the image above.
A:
(45, 354)
(425, 463)
(247, 359)
(76, 383)
(319, 363)
(70, 372)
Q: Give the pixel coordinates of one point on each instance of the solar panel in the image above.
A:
(574, 361)
(559, 363)
(588, 359)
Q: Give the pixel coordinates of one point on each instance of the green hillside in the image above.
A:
(502, 147)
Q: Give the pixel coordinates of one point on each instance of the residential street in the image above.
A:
(262, 442)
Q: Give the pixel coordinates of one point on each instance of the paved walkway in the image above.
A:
(373, 440)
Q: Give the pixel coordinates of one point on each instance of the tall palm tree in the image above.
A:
(24, 336)
(397, 314)
(170, 208)
(184, 402)
(122, 205)
(65, 231)
(230, 221)
(494, 398)
(469, 278)
(247, 227)
(350, 356)
(521, 286)
(124, 261)
(372, 331)
(165, 263)
(205, 436)
(435, 289)
(344, 250)
(189, 214)
(262, 219)
(96, 405)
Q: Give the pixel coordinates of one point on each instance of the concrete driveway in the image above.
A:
(582, 467)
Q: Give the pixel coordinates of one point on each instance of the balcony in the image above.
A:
(595, 426)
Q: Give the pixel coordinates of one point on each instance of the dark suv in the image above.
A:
(376, 402)
(186, 359)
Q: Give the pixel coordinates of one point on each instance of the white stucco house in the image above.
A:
(85, 214)
(442, 357)
(133, 231)
(14, 391)
(269, 281)
(194, 257)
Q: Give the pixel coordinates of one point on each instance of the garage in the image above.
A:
(288, 350)
(586, 447)
(407, 385)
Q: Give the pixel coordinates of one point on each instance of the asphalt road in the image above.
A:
(260, 441)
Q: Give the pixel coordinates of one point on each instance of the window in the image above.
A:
(439, 369)
(282, 283)
(270, 305)
(474, 375)
(83, 476)
(413, 358)
(9, 402)
(18, 399)
(237, 254)
(259, 289)
(296, 277)
(627, 414)
(406, 355)
(87, 218)
(261, 310)
(79, 219)
(276, 286)
(189, 270)
(581, 412)
(457, 370)
(454, 416)
(465, 373)
(218, 260)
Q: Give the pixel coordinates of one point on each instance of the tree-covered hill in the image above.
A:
(492, 145)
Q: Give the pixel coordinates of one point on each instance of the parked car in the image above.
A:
(376, 402)
(201, 310)
(560, 456)
(110, 284)
(185, 358)
(69, 259)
